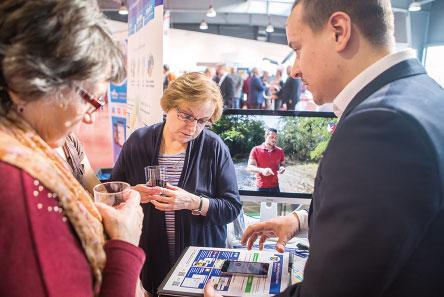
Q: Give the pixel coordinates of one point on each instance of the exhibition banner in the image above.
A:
(117, 108)
(145, 66)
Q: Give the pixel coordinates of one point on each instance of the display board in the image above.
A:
(145, 65)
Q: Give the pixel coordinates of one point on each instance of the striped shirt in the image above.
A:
(173, 169)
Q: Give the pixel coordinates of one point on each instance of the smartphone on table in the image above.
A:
(245, 268)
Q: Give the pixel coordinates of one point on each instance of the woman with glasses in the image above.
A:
(201, 196)
(56, 59)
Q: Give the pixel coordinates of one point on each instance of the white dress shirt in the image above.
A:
(343, 99)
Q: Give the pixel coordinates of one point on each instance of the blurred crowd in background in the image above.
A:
(244, 88)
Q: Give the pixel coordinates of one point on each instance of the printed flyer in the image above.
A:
(198, 265)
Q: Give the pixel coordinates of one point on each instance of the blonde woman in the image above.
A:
(201, 196)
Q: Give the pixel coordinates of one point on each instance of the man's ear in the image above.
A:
(340, 26)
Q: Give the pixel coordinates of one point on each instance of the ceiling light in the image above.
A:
(269, 28)
(123, 10)
(415, 6)
(211, 13)
(203, 25)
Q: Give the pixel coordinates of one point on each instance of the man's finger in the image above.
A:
(252, 240)
(247, 234)
(262, 241)
(258, 227)
(209, 289)
(280, 245)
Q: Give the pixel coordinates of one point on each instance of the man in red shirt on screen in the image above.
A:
(267, 161)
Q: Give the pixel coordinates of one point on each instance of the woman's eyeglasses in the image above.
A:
(187, 118)
(97, 102)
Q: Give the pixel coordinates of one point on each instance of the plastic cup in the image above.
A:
(111, 193)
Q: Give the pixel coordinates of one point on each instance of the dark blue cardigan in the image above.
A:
(208, 170)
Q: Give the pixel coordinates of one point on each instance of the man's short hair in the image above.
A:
(270, 130)
(373, 18)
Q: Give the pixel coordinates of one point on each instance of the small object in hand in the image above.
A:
(110, 193)
(155, 176)
(302, 246)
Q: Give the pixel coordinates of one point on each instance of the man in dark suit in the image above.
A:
(291, 91)
(256, 91)
(226, 86)
(377, 216)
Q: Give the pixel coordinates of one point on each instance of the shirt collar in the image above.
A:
(341, 101)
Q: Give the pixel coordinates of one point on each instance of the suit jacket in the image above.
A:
(257, 88)
(291, 92)
(377, 215)
(227, 90)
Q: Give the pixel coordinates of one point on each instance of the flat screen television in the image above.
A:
(302, 135)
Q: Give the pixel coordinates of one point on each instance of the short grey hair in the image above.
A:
(50, 46)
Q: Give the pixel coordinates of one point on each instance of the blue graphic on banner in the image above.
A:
(119, 135)
(139, 18)
(148, 11)
(141, 12)
(132, 16)
(118, 92)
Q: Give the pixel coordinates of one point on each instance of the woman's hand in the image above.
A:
(174, 198)
(147, 193)
(124, 222)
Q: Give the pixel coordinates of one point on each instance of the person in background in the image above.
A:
(209, 72)
(291, 91)
(54, 240)
(246, 90)
(201, 196)
(376, 217)
(237, 83)
(275, 89)
(226, 85)
(168, 76)
(267, 92)
(73, 154)
(267, 161)
(256, 91)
